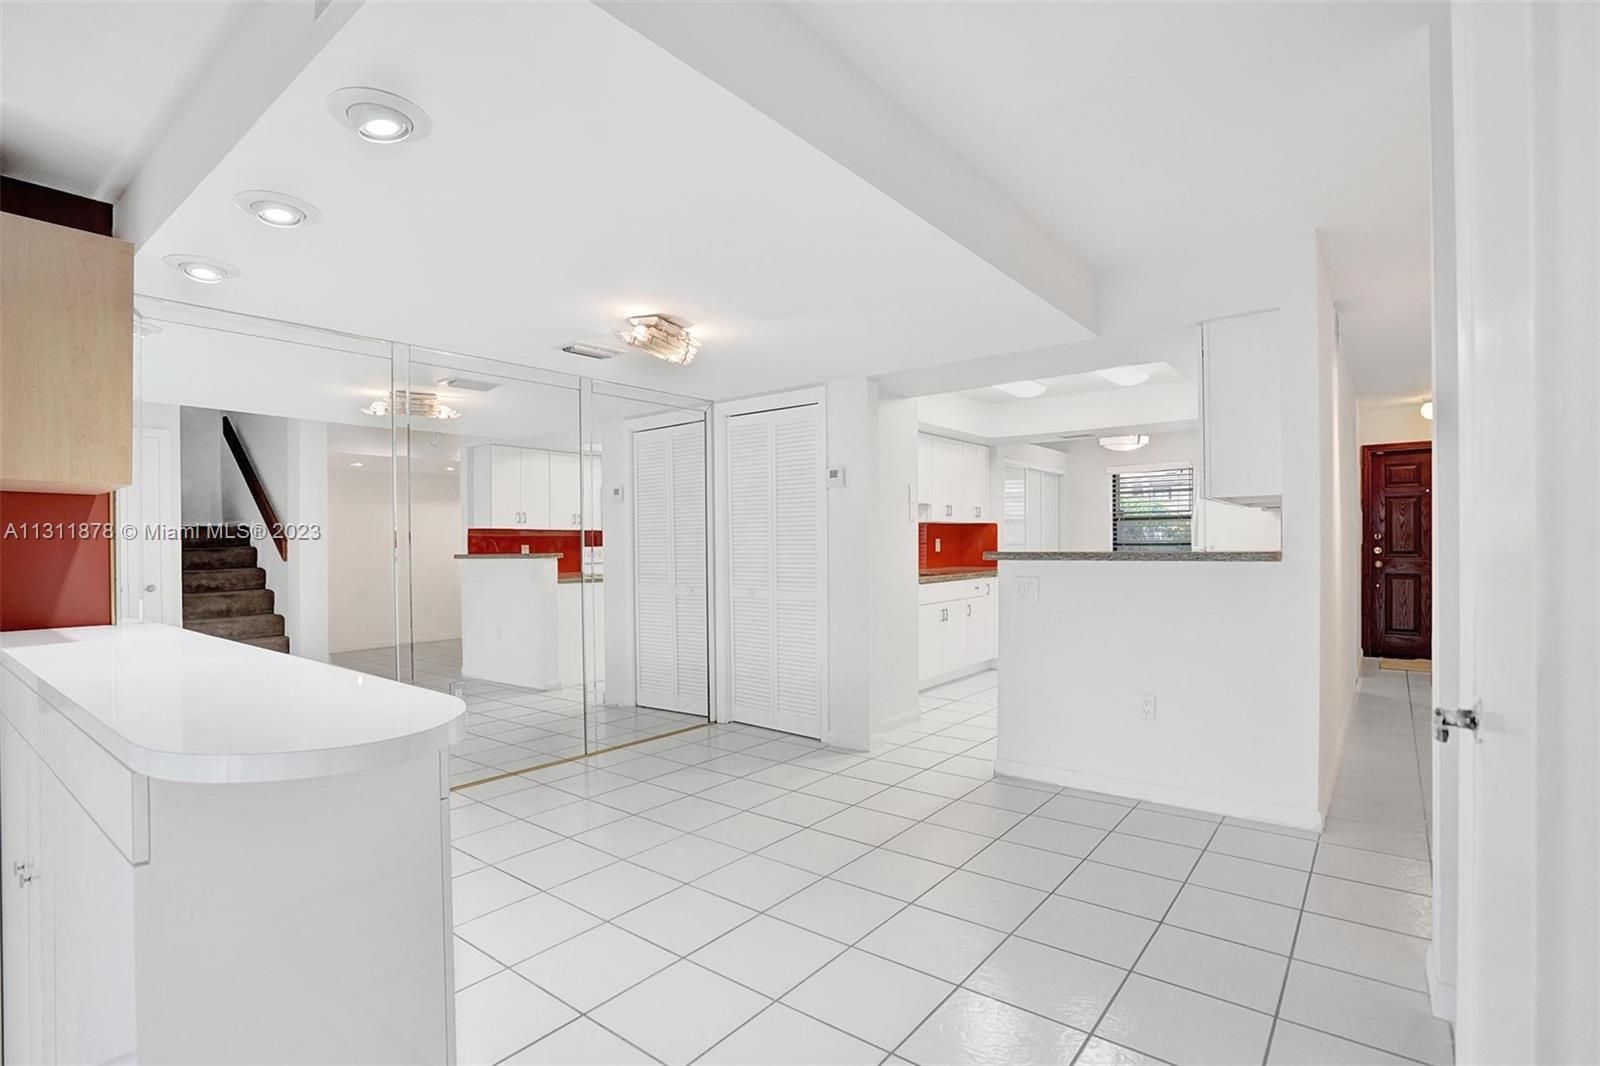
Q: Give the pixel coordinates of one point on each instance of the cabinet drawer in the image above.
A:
(945, 591)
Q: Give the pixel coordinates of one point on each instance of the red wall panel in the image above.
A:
(55, 560)
(960, 544)
(510, 542)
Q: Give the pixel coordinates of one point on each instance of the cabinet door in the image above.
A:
(19, 936)
(505, 487)
(975, 483)
(564, 491)
(1241, 421)
(86, 888)
(947, 468)
(931, 629)
(984, 625)
(927, 460)
(535, 489)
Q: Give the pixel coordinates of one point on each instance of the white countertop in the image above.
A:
(182, 706)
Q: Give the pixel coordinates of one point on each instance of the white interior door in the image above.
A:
(669, 568)
(150, 581)
(776, 537)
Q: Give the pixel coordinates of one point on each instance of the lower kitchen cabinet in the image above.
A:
(958, 629)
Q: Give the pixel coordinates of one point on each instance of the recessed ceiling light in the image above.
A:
(201, 268)
(1427, 410)
(1023, 390)
(358, 463)
(378, 116)
(276, 209)
(1124, 375)
(1127, 442)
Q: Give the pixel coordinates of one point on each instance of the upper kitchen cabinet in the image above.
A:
(565, 493)
(66, 359)
(1242, 416)
(527, 488)
(953, 479)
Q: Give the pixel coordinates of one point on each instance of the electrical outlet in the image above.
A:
(1147, 708)
(938, 545)
(1027, 588)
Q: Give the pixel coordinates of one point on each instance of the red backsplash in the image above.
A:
(63, 579)
(510, 541)
(960, 544)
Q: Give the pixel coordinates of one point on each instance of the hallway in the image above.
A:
(733, 895)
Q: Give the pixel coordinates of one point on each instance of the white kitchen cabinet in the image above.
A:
(953, 480)
(958, 629)
(1242, 413)
(565, 492)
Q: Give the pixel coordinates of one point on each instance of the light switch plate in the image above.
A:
(836, 477)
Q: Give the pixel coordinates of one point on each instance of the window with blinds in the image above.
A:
(1152, 510)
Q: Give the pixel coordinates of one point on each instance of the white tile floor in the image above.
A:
(511, 728)
(733, 896)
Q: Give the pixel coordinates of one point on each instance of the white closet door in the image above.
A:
(775, 538)
(669, 568)
(1050, 512)
(1014, 527)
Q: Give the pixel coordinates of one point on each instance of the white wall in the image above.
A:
(892, 557)
(1086, 522)
(200, 449)
(1392, 423)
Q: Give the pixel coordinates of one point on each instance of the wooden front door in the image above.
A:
(1397, 550)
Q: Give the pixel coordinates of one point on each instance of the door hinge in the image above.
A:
(1465, 718)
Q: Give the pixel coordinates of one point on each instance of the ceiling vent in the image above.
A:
(466, 384)
(591, 351)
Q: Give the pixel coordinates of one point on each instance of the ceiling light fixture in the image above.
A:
(378, 116)
(1127, 442)
(201, 268)
(1022, 390)
(1427, 410)
(419, 404)
(276, 209)
(666, 337)
(591, 351)
(1124, 376)
(358, 463)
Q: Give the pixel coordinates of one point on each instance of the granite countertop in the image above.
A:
(1145, 557)
(587, 579)
(953, 573)
(511, 555)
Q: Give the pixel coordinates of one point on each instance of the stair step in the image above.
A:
(241, 628)
(270, 643)
(216, 537)
(198, 606)
(230, 558)
(248, 577)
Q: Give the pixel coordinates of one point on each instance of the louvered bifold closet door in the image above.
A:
(689, 567)
(655, 624)
(775, 509)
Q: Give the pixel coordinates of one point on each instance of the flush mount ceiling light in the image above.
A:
(201, 268)
(1127, 442)
(1427, 410)
(663, 336)
(420, 405)
(1124, 375)
(1022, 390)
(276, 209)
(379, 117)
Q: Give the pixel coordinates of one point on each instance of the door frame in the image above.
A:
(722, 597)
(1369, 631)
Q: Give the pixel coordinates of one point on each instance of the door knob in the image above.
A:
(149, 588)
(1378, 563)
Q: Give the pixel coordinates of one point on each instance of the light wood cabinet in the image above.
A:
(66, 359)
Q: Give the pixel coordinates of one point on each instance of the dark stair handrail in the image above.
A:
(258, 491)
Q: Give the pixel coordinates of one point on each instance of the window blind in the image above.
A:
(1152, 510)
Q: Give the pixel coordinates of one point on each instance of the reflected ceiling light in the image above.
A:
(1124, 375)
(1127, 442)
(358, 463)
(378, 116)
(276, 209)
(450, 470)
(666, 337)
(419, 404)
(1023, 390)
(1427, 410)
(201, 268)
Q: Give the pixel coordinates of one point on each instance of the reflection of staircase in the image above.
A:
(225, 593)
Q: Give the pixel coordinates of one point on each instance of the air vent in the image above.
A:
(466, 384)
(591, 351)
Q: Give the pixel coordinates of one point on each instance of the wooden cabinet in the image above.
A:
(952, 480)
(1242, 410)
(66, 359)
(958, 629)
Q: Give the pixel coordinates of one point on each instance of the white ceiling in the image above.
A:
(86, 87)
(577, 174)
(1078, 384)
(1136, 130)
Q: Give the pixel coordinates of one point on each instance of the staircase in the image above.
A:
(225, 593)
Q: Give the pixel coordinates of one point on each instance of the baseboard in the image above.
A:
(935, 681)
(1441, 993)
(891, 724)
(1212, 803)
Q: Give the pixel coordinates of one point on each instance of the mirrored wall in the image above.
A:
(434, 517)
